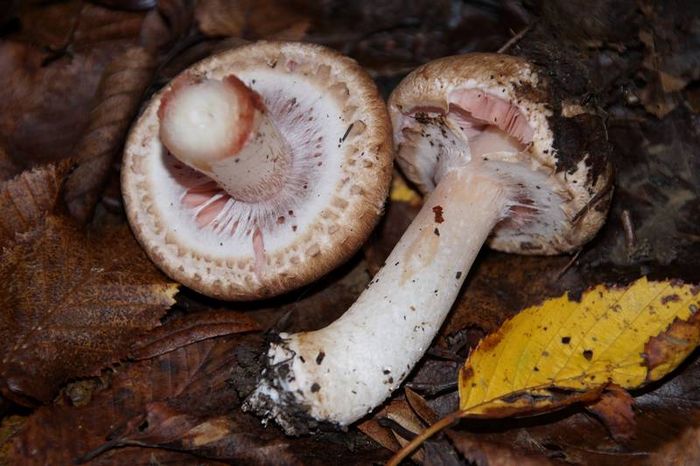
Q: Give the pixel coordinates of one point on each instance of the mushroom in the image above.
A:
(259, 169)
(483, 134)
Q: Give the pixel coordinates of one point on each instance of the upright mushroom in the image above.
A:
(485, 135)
(259, 169)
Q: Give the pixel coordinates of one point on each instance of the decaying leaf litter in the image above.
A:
(641, 78)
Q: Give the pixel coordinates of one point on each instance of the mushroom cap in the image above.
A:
(564, 164)
(333, 117)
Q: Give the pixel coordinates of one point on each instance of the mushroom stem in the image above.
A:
(221, 129)
(340, 373)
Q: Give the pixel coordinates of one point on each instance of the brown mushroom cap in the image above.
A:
(566, 180)
(333, 117)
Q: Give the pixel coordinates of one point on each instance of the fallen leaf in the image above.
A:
(118, 98)
(27, 199)
(394, 426)
(667, 350)
(49, 73)
(665, 418)
(49, 109)
(190, 329)
(251, 19)
(50, 25)
(166, 24)
(485, 453)
(420, 407)
(71, 304)
(657, 187)
(98, 25)
(683, 452)
(61, 433)
(182, 400)
(402, 192)
(564, 346)
(615, 410)
(221, 17)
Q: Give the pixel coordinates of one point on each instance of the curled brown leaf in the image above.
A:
(71, 304)
(615, 410)
(252, 19)
(166, 24)
(190, 329)
(118, 98)
(27, 199)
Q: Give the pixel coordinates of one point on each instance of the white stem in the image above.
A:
(258, 171)
(340, 373)
(221, 129)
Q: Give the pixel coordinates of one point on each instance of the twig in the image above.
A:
(515, 39)
(568, 265)
(628, 227)
(443, 423)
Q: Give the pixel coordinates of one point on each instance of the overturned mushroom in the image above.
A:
(258, 170)
(483, 134)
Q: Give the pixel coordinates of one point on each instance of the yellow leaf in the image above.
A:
(401, 192)
(626, 336)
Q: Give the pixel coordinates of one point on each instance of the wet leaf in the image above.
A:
(118, 98)
(27, 199)
(564, 345)
(71, 304)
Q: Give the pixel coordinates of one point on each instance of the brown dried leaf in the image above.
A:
(394, 426)
(98, 24)
(182, 400)
(191, 329)
(485, 453)
(49, 73)
(72, 304)
(167, 23)
(420, 407)
(50, 25)
(685, 451)
(44, 109)
(380, 434)
(252, 19)
(223, 437)
(118, 98)
(615, 410)
(26, 200)
(59, 434)
(665, 351)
